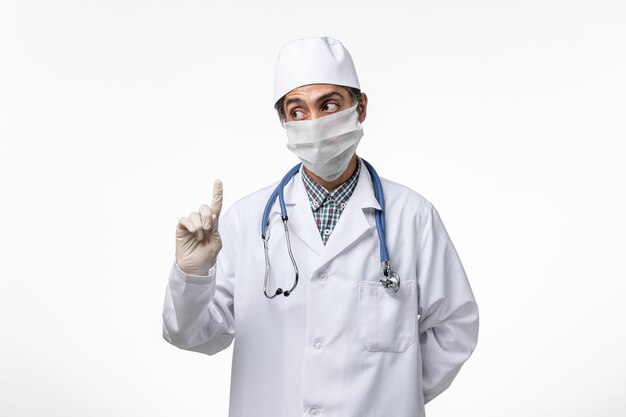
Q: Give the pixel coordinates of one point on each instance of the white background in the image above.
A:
(116, 117)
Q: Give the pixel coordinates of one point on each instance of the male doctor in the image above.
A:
(341, 343)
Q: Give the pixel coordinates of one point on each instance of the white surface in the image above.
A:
(508, 116)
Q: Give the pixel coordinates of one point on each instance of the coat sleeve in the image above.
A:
(198, 311)
(448, 322)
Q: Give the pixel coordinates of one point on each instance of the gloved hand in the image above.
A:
(197, 239)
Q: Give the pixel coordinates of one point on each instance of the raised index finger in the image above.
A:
(218, 196)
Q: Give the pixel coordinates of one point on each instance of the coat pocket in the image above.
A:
(387, 321)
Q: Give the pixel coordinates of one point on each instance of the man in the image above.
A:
(339, 343)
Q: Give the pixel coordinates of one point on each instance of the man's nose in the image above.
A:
(315, 114)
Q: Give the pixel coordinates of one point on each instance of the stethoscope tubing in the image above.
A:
(390, 278)
(379, 214)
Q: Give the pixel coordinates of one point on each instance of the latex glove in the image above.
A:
(197, 239)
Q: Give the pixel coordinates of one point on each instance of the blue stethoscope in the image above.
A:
(390, 279)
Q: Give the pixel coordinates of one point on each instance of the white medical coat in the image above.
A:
(340, 345)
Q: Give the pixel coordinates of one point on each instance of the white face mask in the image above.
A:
(326, 145)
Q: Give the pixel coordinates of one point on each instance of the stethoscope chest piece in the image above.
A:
(390, 279)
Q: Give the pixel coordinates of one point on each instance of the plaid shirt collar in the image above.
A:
(319, 196)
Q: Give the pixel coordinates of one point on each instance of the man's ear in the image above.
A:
(362, 107)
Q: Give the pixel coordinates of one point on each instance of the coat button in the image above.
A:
(323, 275)
(314, 412)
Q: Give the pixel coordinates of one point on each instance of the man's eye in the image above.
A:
(330, 107)
(297, 114)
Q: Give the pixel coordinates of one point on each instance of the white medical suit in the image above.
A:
(340, 345)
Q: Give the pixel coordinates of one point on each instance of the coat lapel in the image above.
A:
(355, 220)
(301, 221)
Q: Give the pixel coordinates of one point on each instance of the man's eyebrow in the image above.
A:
(293, 100)
(329, 95)
(297, 100)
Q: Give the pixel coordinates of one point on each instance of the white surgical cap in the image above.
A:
(305, 61)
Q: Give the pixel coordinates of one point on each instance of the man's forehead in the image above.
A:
(316, 90)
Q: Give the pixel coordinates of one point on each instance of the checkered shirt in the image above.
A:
(328, 206)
